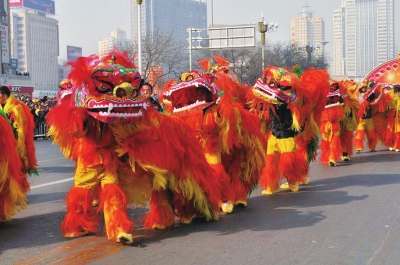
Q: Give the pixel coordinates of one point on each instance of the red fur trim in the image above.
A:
(397, 141)
(336, 148)
(380, 125)
(316, 83)
(358, 140)
(81, 71)
(270, 176)
(79, 212)
(346, 138)
(67, 125)
(121, 58)
(324, 158)
(241, 191)
(301, 159)
(204, 64)
(221, 61)
(160, 211)
(333, 114)
(227, 193)
(293, 167)
(363, 108)
(330, 147)
(183, 208)
(384, 103)
(372, 140)
(388, 137)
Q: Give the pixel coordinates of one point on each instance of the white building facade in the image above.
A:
(117, 40)
(308, 30)
(363, 36)
(36, 46)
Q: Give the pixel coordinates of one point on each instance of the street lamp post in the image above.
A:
(139, 2)
(309, 50)
(197, 38)
(264, 27)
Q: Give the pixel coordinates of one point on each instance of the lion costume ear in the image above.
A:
(205, 64)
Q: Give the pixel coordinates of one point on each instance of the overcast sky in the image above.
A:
(83, 23)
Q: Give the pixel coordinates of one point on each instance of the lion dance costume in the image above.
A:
(291, 107)
(375, 104)
(348, 125)
(338, 124)
(13, 182)
(230, 135)
(382, 100)
(117, 139)
(23, 125)
(17, 157)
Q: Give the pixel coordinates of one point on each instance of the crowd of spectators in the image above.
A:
(39, 107)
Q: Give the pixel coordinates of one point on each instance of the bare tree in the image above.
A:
(247, 62)
(161, 49)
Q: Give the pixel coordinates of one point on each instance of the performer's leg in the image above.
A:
(397, 142)
(335, 146)
(358, 140)
(372, 137)
(270, 174)
(113, 202)
(183, 208)
(227, 193)
(347, 144)
(161, 214)
(80, 218)
(324, 158)
(293, 162)
(326, 135)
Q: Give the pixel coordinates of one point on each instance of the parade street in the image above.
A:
(348, 214)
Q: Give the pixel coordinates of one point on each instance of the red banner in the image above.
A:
(21, 89)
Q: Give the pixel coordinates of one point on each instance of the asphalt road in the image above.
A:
(349, 214)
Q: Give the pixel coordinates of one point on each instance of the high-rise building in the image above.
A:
(35, 45)
(308, 30)
(339, 55)
(363, 36)
(117, 40)
(168, 16)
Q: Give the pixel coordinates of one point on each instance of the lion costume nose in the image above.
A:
(125, 90)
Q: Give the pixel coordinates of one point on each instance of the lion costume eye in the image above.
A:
(285, 88)
(103, 86)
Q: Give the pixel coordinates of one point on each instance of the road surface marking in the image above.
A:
(47, 160)
(51, 183)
